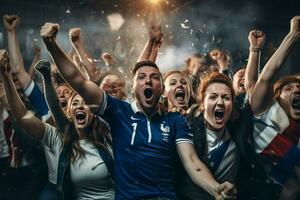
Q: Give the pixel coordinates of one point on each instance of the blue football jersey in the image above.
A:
(144, 149)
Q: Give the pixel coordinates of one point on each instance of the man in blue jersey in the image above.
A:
(145, 140)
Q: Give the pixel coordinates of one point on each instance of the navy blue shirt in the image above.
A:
(144, 149)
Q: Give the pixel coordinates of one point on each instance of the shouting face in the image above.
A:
(64, 93)
(80, 112)
(177, 91)
(239, 82)
(217, 106)
(147, 88)
(290, 100)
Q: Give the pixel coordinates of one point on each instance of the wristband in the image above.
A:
(254, 49)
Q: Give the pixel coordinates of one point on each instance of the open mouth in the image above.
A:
(179, 95)
(148, 92)
(63, 103)
(219, 114)
(296, 103)
(80, 117)
(242, 84)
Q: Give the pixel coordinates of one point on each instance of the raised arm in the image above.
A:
(61, 121)
(201, 175)
(78, 44)
(262, 94)
(11, 23)
(256, 39)
(37, 53)
(223, 61)
(153, 44)
(28, 121)
(90, 92)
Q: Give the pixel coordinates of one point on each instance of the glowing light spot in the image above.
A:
(154, 2)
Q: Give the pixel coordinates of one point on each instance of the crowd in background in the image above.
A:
(72, 130)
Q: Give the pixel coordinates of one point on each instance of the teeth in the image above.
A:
(80, 115)
(179, 95)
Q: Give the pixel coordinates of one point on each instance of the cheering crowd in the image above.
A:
(200, 132)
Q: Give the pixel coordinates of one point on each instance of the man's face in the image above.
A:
(147, 88)
(290, 100)
(63, 93)
(239, 82)
(177, 90)
(217, 105)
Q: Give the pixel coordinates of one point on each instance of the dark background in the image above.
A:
(189, 26)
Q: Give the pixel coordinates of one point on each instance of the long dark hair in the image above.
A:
(98, 133)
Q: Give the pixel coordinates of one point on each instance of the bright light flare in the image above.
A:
(154, 2)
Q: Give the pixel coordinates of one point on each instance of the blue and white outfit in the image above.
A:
(144, 149)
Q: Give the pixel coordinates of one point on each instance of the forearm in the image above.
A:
(201, 176)
(23, 78)
(154, 53)
(53, 104)
(87, 89)
(14, 51)
(31, 68)
(14, 101)
(89, 66)
(278, 58)
(252, 68)
(261, 96)
(146, 53)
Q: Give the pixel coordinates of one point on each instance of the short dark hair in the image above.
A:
(142, 64)
(238, 69)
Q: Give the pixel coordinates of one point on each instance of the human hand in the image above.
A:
(49, 31)
(43, 67)
(295, 25)
(11, 22)
(256, 38)
(75, 35)
(226, 190)
(155, 35)
(5, 67)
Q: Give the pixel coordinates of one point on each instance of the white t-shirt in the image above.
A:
(228, 167)
(88, 174)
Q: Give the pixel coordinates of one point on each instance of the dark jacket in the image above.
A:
(241, 133)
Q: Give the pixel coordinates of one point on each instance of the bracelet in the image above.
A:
(254, 49)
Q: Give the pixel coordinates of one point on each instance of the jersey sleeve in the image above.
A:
(37, 99)
(183, 131)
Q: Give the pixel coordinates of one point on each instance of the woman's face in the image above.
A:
(80, 112)
(177, 90)
(217, 106)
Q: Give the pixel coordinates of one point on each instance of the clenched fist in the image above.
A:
(256, 38)
(155, 34)
(295, 25)
(226, 190)
(11, 22)
(49, 31)
(5, 67)
(75, 35)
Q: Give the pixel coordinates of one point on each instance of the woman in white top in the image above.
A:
(77, 148)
